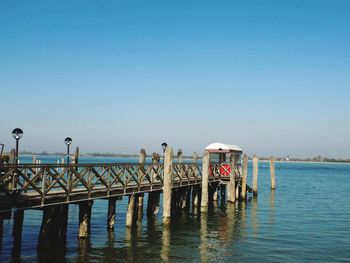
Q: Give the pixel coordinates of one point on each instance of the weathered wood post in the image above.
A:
(255, 174)
(272, 173)
(205, 178)
(111, 213)
(167, 188)
(75, 159)
(231, 186)
(244, 177)
(84, 218)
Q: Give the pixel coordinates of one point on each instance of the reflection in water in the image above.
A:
(84, 246)
(219, 229)
(255, 222)
(272, 207)
(164, 253)
(130, 242)
(203, 248)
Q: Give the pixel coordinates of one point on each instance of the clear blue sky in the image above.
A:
(270, 76)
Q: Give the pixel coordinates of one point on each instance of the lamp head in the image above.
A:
(164, 145)
(17, 133)
(68, 141)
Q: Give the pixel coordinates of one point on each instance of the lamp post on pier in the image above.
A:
(17, 134)
(68, 142)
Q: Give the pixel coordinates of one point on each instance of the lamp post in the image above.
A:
(68, 142)
(17, 134)
(164, 145)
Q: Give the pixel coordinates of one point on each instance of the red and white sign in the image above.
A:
(225, 169)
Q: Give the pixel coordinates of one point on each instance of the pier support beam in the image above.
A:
(153, 197)
(255, 174)
(17, 232)
(84, 219)
(153, 203)
(205, 177)
(1, 231)
(139, 208)
(63, 221)
(111, 213)
(130, 214)
(244, 177)
(222, 194)
(272, 173)
(167, 189)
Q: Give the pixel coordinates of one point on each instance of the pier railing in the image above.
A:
(31, 185)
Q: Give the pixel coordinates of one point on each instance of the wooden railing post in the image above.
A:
(205, 178)
(167, 188)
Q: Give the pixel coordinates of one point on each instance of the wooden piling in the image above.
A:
(76, 156)
(205, 177)
(84, 219)
(255, 174)
(111, 213)
(272, 173)
(231, 186)
(167, 189)
(244, 177)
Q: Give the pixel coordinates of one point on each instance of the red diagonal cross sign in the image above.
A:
(225, 169)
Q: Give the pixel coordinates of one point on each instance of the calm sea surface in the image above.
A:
(306, 219)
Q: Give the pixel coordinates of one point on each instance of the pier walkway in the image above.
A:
(39, 185)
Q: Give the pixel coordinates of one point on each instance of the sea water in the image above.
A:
(306, 219)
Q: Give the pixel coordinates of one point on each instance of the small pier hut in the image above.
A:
(225, 161)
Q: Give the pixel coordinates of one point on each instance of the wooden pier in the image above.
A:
(52, 187)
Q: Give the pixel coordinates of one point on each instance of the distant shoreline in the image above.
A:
(317, 159)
